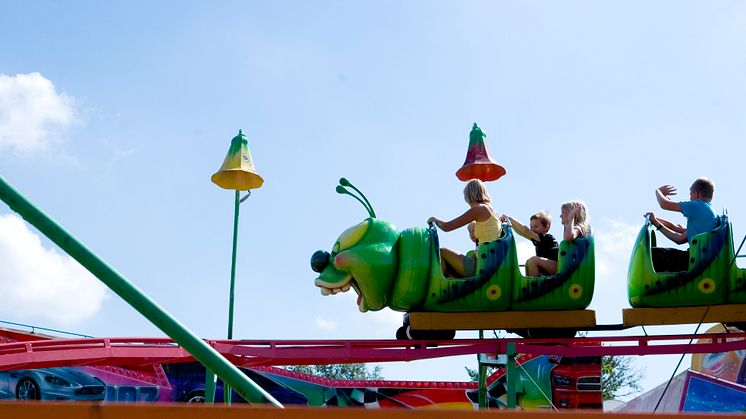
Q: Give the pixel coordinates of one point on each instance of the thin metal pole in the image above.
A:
(209, 387)
(233, 268)
(227, 396)
(511, 376)
(135, 297)
(482, 378)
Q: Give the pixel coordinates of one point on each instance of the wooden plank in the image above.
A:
(684, 315)
(503, 320)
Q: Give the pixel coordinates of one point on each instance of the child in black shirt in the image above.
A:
(546, 246)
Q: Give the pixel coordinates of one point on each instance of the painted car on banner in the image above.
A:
(188, 380)
(66, 383)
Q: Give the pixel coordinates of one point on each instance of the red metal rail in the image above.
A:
(144, 351)
(90, 351)
(470, 385)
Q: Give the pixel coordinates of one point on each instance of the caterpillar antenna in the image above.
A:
(342, 191)
(345, 182)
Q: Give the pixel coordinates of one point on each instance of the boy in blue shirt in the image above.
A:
(700, 218)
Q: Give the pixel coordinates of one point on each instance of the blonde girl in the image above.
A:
(486, 228)
(575, 221)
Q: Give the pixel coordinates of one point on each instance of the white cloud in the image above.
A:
(614, 242)
(383, 324)
(42, 284)
(375, 324)
(32, 113)
(325, 324)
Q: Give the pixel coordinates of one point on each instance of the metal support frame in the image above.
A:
(482, 378)
(210, 382)
(135, 297)
(256, 353)
(511, 375)
(227, 396)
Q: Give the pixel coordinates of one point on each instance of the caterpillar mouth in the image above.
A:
(340, 287)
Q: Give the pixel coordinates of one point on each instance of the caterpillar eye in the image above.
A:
(351, 236)
(319, 261)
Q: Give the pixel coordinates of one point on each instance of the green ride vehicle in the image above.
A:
(401, 270)
(712, 278)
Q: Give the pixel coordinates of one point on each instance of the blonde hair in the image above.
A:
(476, 191)
(581, 217)
(543, 217)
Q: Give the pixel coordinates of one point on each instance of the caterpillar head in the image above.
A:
(362, 259)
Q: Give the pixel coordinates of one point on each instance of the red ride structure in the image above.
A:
(568, 391)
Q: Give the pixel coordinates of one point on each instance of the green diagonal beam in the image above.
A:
(197, 347)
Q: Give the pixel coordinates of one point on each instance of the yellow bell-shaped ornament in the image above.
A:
(237, 171)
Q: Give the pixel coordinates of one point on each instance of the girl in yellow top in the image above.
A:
(487, 228)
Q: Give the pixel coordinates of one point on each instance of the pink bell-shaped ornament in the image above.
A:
(479, 163)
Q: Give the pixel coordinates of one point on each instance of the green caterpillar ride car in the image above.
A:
(401, 270)
(712, 277)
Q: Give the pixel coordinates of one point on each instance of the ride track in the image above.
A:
(145, 351)
(254, 353)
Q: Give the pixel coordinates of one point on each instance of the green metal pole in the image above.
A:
(482, 385)
(233, 268)
(226, 388)
(511, 376)
(205, 354)
(482, 378)
(209, 387)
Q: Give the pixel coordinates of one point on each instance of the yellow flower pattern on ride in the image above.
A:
(493, 292)
(706, 286)
(576, 291)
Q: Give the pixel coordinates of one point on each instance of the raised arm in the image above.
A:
(521, 229)
(571, 231)
(674, 232)
(662, 195)
(476, 213)
(678, 228)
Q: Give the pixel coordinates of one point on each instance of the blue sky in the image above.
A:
(114, 116)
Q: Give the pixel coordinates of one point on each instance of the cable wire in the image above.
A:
(681, 359)
(539, 388)
(34, 328)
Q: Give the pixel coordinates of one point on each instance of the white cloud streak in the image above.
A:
(614, 240)
(42, 284)
(325, 324)
(32, 113)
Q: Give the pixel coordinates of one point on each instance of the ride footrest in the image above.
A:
(727, 313)
(561, 319)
